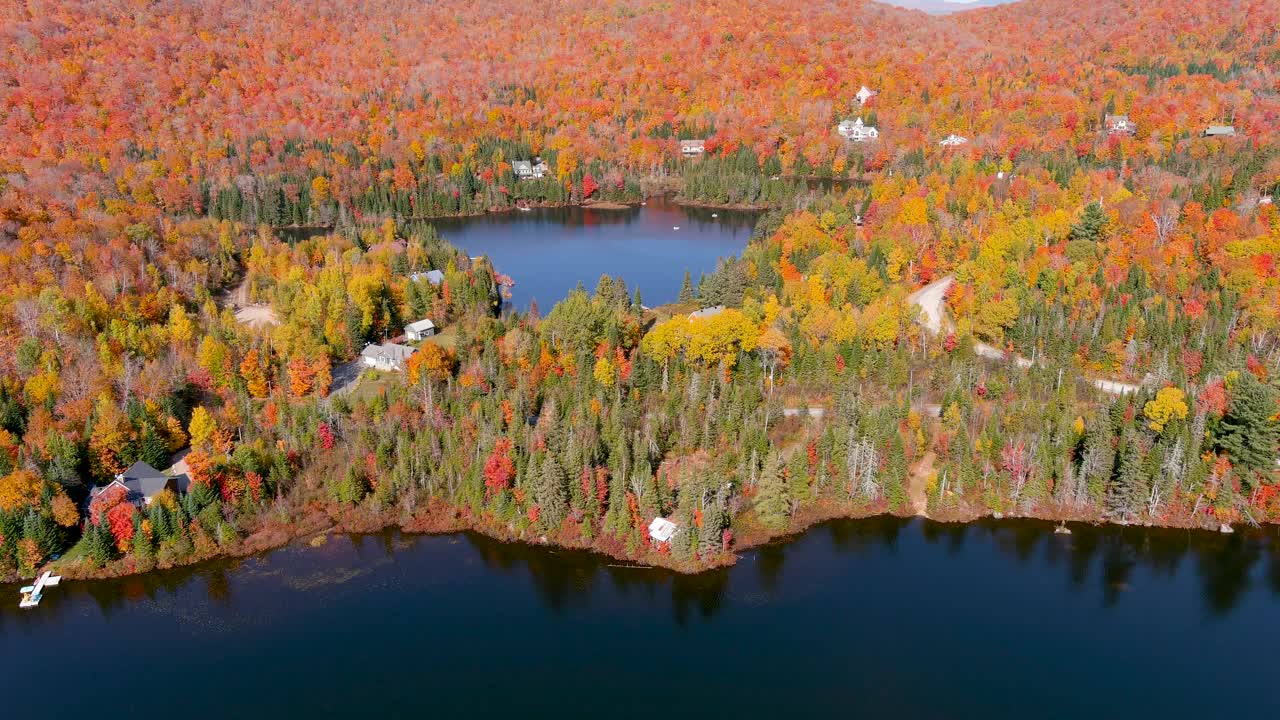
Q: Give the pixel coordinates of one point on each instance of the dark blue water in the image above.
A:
(855, 618)
(548, 251)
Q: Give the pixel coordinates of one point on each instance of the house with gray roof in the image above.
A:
(420, 330)
(706, 312)
(141, 484)
(529, 169)
(435, 277)
(387, 356)
(1219, 131)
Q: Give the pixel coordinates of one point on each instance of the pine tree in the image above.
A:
(154, 450)
(1128, 489)
(100, 544)
(773, 505)
(686, 290)
(1091, 225)
(48, 536)
(549, 492)
(1248, 433)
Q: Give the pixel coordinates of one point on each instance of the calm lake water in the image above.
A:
(548, 251)
(854, 618)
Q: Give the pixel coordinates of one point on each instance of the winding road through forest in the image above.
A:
(932, 301)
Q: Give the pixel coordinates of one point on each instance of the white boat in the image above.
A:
(675, 227)
(524, 209)
(715, 215)
(31, 594)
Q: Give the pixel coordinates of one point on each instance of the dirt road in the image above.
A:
(932, 302)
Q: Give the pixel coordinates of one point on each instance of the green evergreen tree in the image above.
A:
(1249, 432)
(153, 450)
(1128, 489)
(1091, 225)
(686, 290)
(773, 505)
(549, 492)
(99, 543)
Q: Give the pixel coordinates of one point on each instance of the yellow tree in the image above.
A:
(1169, 404)
(717, 340)
(19, 489)
(202, 427)
(665, 341)
(254, 374)
(181, 328)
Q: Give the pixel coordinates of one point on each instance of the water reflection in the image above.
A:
(549, 251)
(1108, 561)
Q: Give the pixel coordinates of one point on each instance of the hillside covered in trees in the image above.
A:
(154, 157)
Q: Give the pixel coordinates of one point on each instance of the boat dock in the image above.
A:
(31, 594)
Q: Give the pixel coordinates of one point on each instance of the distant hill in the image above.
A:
(944, 7)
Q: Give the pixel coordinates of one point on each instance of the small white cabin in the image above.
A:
(856, 131)
(865, 94)
(1120, 125)
(420, 330)
(690, 148)
(953, 140)
(661, 529)
(528, 169)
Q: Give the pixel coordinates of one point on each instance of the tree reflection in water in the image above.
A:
(1106, 560)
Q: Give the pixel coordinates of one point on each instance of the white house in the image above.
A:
(689, 148)
(953, 140)
(865, 94)
(529, 169)
(661, 529)
(1219, 131)
(420, 330)
(387, 356)
(1120, 125)
(855, 131)
(706, 312)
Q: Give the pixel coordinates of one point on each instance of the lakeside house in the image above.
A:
(1220, 131)
(420, 330)
(690, 148)
(387, 356)
(435, 277)
(1120, 125)
(953, 140)
(864, 94)
(141, 483)
(534, 169)
(706, 312)
(662, 529)
(856, 131)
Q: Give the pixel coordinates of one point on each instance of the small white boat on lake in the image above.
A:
(675, 227)
(31, 594)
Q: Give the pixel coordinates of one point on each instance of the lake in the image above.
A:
(854, 618)
(548, 251)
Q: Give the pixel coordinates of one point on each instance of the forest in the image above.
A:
(162, 164)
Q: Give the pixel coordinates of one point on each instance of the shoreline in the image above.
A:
(439, 519)
(742, 207)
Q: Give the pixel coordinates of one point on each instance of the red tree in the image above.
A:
(120, 523)
(499, 469)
